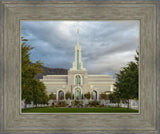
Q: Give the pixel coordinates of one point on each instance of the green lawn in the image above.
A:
(79, 110)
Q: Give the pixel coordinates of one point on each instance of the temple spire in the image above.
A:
(78, 36)
(77, 64)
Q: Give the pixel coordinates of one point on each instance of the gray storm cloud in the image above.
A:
(107, 46)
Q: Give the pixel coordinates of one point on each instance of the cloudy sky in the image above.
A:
(107, 46)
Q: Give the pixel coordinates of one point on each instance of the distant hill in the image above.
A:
(52, 71)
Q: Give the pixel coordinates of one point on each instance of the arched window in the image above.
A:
(77, 94)
(61, 95)
(78, 80)
(94, 95)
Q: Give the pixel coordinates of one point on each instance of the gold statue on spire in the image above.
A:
(78, 35)
(78, 30)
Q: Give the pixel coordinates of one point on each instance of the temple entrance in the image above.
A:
(94, 95)
(61, 95)
(77, 94)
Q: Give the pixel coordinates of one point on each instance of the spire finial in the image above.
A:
(77, 33)
(77, 30)
(78, 36)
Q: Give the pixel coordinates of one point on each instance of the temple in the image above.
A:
(78, 82)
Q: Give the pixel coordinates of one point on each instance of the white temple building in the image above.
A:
(78, 82)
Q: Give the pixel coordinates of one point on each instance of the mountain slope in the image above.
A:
(52, 71)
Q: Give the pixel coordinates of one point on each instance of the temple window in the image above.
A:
(78, 80)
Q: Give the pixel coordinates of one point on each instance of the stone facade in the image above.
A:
(78, 82)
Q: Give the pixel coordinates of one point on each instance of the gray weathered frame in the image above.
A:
(146, 121)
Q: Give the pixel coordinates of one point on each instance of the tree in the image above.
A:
(51, 96)
(27, 93)
(104, 96)
(126, 87)
(115, 97)
(39, 94)
(29, 69)
(32, 89)
(87, 95)
(68, 95)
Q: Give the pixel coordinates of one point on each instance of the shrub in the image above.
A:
(102, 105)
(52, 104)
(77, 103)
(73, 102)
(94, 103)
(62, 103)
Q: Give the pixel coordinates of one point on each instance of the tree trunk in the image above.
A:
(128, 104)
(25, 106)
(118, 104)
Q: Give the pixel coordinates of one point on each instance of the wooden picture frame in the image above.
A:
(146, 121)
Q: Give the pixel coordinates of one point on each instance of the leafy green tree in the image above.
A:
(87, 95)
(32, 89)
(104, 96)
(72, 96)
(127, 82)
(39, 93)
(82, 97)
(29, 69)
(68, 95)
(27, 93)
(51, 96)
(115, 97)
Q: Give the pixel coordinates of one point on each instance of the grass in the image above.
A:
(79, 110)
